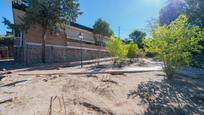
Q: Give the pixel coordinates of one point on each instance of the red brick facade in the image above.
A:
(64, 46)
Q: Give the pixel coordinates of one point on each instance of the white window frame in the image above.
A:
(20, 38)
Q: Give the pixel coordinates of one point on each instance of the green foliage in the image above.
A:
(141, 53)
(12, 26)
(174, 43)
(6, 40)
(7, 23)
(116, 48)
(138, 37)
(101, 27)
(195, 12)
(52, 14)
(132, 50)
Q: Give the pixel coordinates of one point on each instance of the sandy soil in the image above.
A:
(101, 94)
(109, 93)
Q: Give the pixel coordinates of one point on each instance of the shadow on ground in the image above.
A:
(170, 97)
(98, 68)
(11, 64)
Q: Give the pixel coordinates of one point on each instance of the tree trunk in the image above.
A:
(44, 29)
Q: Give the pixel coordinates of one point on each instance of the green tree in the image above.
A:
(50, 15)
(116, 48)
(174, 43)
(132, 50)
(195, 12)
(138, 36)
(101, 27)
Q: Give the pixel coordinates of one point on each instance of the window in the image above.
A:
(18, 38)
(17, 34)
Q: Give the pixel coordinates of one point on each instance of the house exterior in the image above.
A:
(4, 53)
(60, 47)
(6, 46)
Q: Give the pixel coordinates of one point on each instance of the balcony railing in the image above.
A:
(85, 45)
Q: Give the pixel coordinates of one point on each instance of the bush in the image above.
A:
(122, 63)
(116, 48)
(174, 43)
(5, 39)
(132, 50)
(141, 53)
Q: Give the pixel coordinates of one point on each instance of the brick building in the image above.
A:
(60, 47)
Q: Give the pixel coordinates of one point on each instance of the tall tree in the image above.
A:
(138, 36)
(50, 15)
(132, 50)
(102, 28)
(171, 11)
(195, 12)
(174, 44)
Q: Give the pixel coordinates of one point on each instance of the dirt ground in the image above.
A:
(99, 94)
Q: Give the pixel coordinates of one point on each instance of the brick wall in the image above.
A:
(34, 35)
(57, 47)
(18, 53)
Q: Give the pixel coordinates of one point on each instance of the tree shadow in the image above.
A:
(11, 65)
(100, 67)
(170, 97)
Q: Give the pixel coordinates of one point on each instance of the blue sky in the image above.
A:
(128, 14)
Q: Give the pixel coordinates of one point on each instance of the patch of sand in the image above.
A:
(77, 95)
(100, 94)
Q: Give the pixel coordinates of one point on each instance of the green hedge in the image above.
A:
(6, 41)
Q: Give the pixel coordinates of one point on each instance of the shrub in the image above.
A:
(141, 53)
(132, 50)
(116, 48)
(8, 40)
(174, 43)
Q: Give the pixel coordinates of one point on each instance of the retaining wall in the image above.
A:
(58, 54)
